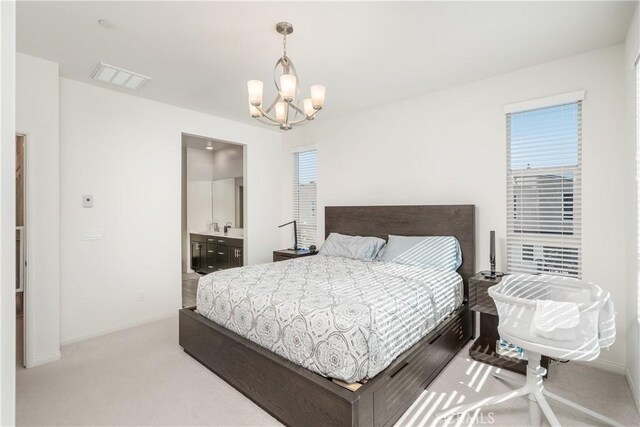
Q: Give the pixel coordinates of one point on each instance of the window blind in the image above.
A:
(544, 191)
(304, 196)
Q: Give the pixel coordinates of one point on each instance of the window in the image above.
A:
(544, 214)
(304, 196)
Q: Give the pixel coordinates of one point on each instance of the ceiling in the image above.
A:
(200, 54)
(192, 141)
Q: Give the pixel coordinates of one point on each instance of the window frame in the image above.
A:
(555, 248)
(307, 233)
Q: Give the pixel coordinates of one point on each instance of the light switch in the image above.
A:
(87, 201)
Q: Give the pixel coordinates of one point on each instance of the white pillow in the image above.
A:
(441, 252)
(354, 247)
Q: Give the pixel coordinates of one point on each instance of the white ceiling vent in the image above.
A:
(109, 74)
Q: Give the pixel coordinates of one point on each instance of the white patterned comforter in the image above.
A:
(339, 317)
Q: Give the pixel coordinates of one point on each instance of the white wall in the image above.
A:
(7, 214)
(227, 162)
(126, 151)
(632, 49)
(37, 116)
(449, 147)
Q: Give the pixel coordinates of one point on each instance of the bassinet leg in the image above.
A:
(534, 412)
(534, 383)
(581, 408)
(546, 409)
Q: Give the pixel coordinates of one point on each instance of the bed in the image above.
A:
(249, 351)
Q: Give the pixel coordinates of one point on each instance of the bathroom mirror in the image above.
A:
(227, 201)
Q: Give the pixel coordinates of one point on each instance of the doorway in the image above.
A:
(20, 248)
(213, 209)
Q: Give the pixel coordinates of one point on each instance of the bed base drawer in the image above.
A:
(407, 381)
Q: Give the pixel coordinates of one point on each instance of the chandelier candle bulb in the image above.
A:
(317, 96)
(255, 92)
(308, 108)
(254, 111)
(281, 112)
(288, 87)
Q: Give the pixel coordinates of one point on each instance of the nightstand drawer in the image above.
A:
(285, 254)
(279, 257)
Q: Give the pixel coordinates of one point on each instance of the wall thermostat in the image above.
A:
(87, 201)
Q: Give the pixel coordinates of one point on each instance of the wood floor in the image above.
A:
(189, 289)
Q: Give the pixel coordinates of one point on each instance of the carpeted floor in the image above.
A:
(140, 376)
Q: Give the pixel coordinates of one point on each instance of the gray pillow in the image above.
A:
(354, 247)
(441, 252)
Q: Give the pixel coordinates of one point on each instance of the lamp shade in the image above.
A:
(308, 107)
(254, 111)
(254, 87)
(317, 96)
(281, 112)
(288, 86)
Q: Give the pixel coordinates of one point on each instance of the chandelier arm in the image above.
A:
(303, 113)
(273, 104)
(300, 121)
(260, 119)
(267, 117)
(295, 107)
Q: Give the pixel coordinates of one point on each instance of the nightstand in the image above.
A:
(285, 254)
(484, 348)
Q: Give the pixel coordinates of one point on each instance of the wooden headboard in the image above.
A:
(426, 220)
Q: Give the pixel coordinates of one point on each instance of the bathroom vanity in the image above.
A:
(212, 252)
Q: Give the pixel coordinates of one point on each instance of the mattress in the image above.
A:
(338, 317)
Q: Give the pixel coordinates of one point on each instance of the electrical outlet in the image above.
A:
(140, 296)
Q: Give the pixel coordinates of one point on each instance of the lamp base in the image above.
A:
(491, 274)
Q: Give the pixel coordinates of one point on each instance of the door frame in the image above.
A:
(245, 149)
(26, 359)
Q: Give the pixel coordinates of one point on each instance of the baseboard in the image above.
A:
(119, 327)
(608, 366)
(47, 358)
(634, 392)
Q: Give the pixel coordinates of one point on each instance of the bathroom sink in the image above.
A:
(233, 233)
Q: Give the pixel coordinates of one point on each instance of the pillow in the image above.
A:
(354, 247)
(441, 252)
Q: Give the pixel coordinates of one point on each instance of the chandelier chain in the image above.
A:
(284, 45)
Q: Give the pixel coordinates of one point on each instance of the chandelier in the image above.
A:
(286, 105)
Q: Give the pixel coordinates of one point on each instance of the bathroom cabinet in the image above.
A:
(212, 253)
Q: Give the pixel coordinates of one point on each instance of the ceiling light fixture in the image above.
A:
(209, 146)
(286, 105)
(128, 79)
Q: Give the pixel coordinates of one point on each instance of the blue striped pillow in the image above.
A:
(441, 252)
